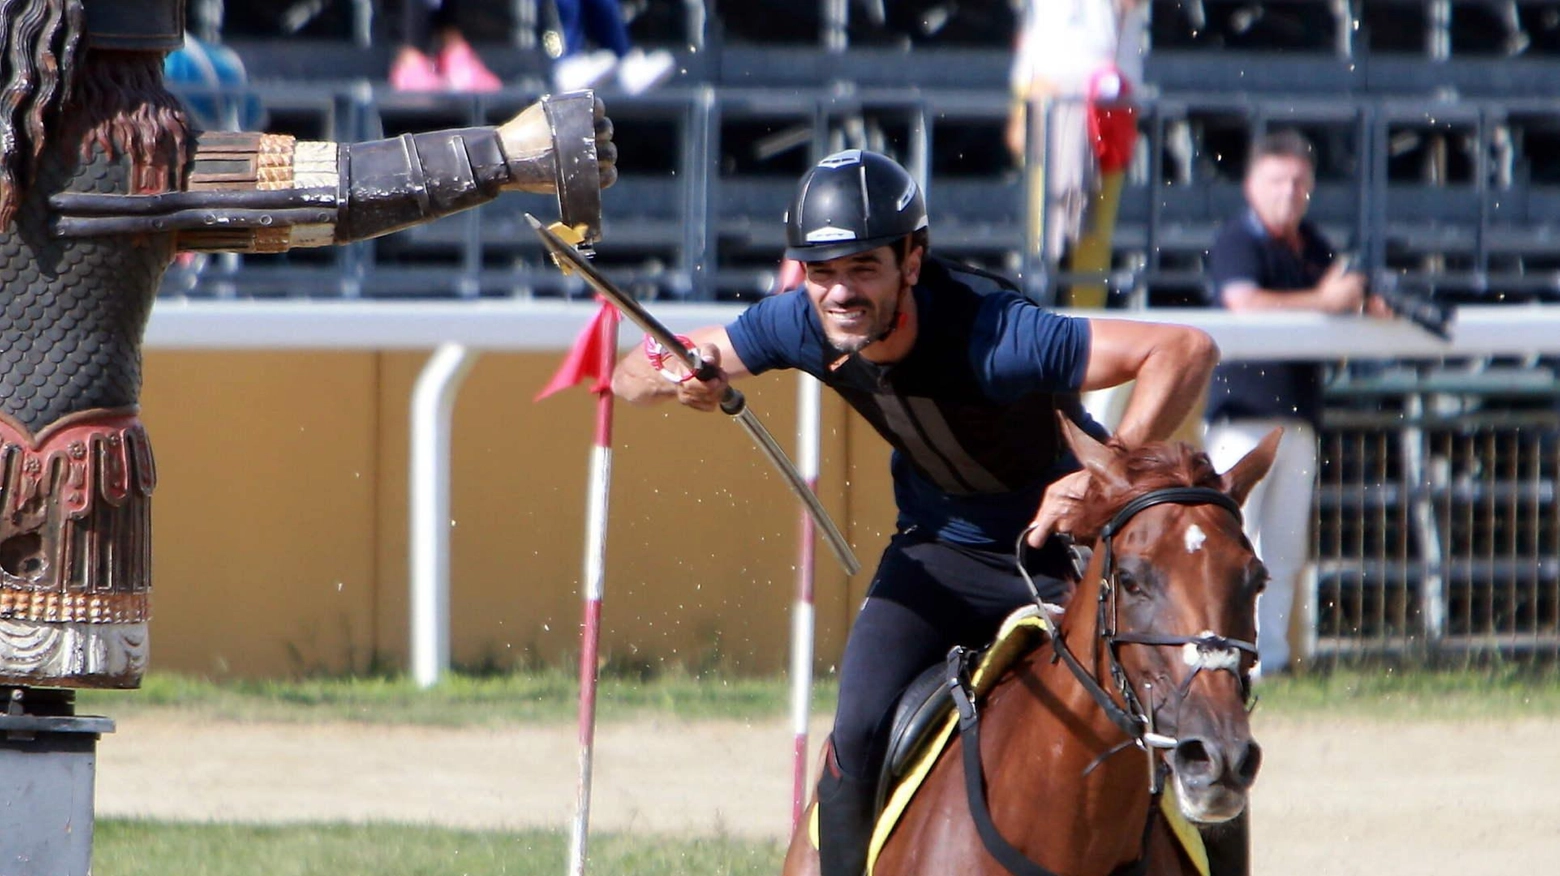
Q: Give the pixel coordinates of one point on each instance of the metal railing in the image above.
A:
(1435, 527)
(1442, 191)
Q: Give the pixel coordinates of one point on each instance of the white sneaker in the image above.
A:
(640, 71)
(583, 70)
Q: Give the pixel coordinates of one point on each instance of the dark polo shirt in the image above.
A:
(1245, 253)
(970, 411)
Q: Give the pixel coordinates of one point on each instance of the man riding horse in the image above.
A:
(102, 182)
(964, 377)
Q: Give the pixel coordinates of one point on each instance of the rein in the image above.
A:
(1204, 651)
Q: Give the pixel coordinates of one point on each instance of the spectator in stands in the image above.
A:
(890, 328)
(600, 22)
(434, 55)
(1073, 60)
(1271, 258)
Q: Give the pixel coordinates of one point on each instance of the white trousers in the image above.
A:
(1278, 518)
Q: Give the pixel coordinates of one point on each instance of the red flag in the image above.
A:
(591, 355)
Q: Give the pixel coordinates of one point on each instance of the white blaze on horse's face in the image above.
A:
(1194, 538)
(1200, 656)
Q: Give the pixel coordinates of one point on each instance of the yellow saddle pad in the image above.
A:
(1022, 631)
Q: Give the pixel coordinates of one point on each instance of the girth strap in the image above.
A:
(1006, 854)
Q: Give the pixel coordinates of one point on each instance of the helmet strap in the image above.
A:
(900, 317)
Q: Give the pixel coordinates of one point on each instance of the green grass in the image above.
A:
(149, 848)
(1496, 691)
(462, 700)
(1493, 691)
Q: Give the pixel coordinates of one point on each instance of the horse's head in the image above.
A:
(1175, 583)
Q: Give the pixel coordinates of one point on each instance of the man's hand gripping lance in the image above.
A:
(733, 403)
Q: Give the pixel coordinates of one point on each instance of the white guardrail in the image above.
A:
(1484, 330)
(460, 330)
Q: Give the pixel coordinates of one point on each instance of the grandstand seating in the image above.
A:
(1439, 158)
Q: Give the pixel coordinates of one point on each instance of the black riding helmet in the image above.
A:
(851, 202)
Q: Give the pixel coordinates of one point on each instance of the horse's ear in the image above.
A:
(1096, 457)
(1251, 468)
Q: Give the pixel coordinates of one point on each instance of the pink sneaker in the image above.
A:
(464, 71)
(414, 71)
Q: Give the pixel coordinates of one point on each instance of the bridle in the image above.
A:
(1205, 651)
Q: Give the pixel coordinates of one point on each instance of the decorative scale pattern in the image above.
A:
(73, 310)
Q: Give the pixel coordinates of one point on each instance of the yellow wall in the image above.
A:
(280, 533)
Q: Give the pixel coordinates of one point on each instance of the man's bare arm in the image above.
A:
(1339, 291)
(1171, 364)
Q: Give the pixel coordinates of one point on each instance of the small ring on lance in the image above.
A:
(658, 356)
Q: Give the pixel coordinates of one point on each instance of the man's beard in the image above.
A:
(879, 321)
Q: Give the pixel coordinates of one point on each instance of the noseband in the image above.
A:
(1204, 651)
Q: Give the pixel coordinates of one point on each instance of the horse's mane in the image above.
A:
(1151, 467)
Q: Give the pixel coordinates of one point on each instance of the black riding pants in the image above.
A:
(927, 596)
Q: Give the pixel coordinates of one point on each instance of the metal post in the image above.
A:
(523, 34)
(696, 23)
(836, 21)
(701, 121)
(1343, 33)
(363, 23)
(808, 401)
(1438, 30)
(433, 403)
(1419, 479)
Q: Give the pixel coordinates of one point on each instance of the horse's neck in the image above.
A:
(1055, 720)
(1041, 733)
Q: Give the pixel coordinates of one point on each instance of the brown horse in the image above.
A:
(1144, 684)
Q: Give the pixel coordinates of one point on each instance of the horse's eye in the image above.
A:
(1129, 582)
(1257, 580)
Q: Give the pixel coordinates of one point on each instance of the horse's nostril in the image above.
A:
(1194, 758)
(1250, 761)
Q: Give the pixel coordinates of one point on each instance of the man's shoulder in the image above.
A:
(1239, 231)
(781, 317)
(942, 274)
(781, 305)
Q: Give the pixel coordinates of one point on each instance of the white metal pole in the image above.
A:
(594, 589)
(808, 400)
(433, 402)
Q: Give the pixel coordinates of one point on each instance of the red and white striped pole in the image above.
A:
(595, 570)
(808, 392)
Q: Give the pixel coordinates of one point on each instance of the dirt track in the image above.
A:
(1346, 797)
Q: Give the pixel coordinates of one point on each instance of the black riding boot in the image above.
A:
(845, 820)
(1229, 847)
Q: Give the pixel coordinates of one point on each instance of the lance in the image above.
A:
(732, 403)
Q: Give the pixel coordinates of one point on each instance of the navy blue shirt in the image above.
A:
(1245, 253)
(971, 409)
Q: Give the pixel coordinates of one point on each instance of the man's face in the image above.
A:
(857, 295)
(1278, 188)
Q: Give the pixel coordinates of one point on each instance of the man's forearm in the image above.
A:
(1255, 298)
(1171, 380)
